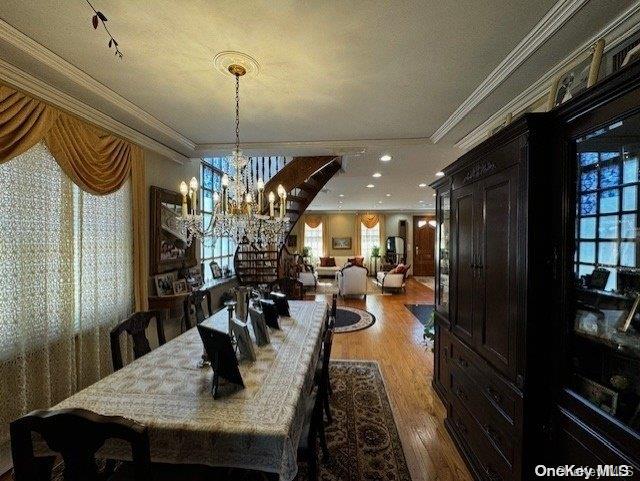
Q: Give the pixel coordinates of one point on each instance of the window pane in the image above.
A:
(207, 252)
(608, 155)
(588, 204)
(629, 198)
(588, 158)
(630, 172)
(207, 204)
(608, 228)
(608, 253)
(610, 176)
(608, 201)
(583, 269)
(589, 180)
(628, 226)
(588, 228)
(587, 251)
(207, 178)
(628, 254)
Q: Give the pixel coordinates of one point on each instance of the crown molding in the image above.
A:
(335, 147)
(553, 20)
(21, 80)
(614, 33)
(45, 56)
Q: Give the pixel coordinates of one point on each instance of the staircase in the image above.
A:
(302, 178)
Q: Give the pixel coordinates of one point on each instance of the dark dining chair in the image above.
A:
(292, 288)
(136, 326)
(193, 310)
(313, 427)
(76, 435)
(322, 377)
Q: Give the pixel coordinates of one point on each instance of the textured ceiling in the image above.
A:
(329, 69)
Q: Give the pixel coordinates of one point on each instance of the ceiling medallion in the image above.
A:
(224, 61)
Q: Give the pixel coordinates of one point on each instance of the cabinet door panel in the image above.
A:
(463, 205)
(498, 237)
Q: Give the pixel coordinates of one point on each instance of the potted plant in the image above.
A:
(375, 251)
(306, 253)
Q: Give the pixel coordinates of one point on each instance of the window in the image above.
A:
(313, 240)
(606, 215)
(369, 238)
(223, 250)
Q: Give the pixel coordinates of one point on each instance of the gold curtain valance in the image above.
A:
(313, 221)
(369, 220)
(95, 160)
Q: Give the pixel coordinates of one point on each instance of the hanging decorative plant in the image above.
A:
(99, 18)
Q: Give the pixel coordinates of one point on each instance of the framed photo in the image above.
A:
(194, 278)
(260, 330)
(180, 287)
(240, 331)
(341, 243)
(224, 363)
(576, 80)
(216, 272)
(292, 240)
(603, 397)
(164, 283)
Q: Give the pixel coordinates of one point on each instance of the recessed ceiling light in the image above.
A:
(379, 202)
(370, 186)
(421, 201)
(377, 174)
(341, 195)
(385, 158)
(440, 174)
(388, 195)
(422, 185)
(339, 202)
(434, 195)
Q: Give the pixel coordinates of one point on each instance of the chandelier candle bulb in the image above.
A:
(248, 199)
(225, 184)
(260, 185)
(272, 199)
(184, 190)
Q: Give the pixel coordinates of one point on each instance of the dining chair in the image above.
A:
(193, 310)
(136, 326)
(293, 288)
(322, 377)
(76, 435)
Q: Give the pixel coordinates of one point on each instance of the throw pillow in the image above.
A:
(324, 262)
(357, 261)
(331, 262)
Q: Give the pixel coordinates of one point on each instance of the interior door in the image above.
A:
(463, 212)
(424, 237)
(495, 328)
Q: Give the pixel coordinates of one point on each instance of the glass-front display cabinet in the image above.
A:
(604, 341)
(443, 252)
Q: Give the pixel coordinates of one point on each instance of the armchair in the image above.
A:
(393, 279)
(352, 281)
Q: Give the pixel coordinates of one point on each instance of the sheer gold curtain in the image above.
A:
(95, 160)
(382, 219)
(326, 234)
(66, 280)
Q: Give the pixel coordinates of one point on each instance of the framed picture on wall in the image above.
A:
(169, 250)
(341, 243)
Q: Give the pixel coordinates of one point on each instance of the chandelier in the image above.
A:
(239, 210)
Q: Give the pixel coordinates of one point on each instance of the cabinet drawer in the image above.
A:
(501, 396)
(496, 428)
(465, 359)
(477, 446)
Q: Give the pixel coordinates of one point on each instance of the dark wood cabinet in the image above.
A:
(485, 385)
(538, 344)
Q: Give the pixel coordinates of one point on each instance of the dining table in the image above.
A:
(256, 428)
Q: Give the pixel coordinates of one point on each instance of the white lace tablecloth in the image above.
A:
(256, 428)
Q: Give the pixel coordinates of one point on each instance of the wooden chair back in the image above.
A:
(293, 288)
(193, 311)
(136, 326)
(75, 434)
(327, 343)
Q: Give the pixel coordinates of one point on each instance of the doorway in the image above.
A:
(424, 237)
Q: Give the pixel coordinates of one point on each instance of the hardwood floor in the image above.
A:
(395, 341)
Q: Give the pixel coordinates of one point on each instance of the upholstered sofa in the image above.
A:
(331, 271)
(393, 279)
(352, 281)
